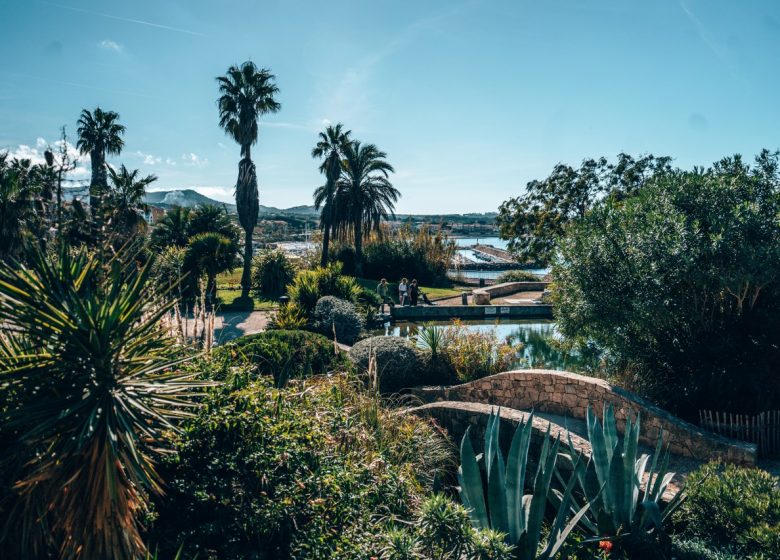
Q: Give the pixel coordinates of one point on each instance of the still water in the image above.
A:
(540, 340)
(494, 241)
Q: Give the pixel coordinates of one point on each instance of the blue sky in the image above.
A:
(470, 99)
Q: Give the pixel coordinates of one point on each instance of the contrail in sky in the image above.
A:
(130, 20)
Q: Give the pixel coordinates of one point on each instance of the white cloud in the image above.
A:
(169, 161)
(326, 122)
(109, 45)
(223, 194)
(149, 159)
(35, 155)
(194, 160)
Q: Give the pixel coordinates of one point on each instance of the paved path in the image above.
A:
(234, 324)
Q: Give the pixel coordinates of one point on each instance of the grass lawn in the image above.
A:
(433, 293)
(229, 294)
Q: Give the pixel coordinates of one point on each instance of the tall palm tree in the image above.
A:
(364, 195)
(247, 92)
(127, 208)
(99, 135)
(331, 143)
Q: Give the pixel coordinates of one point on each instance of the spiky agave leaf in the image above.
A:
(94, 382)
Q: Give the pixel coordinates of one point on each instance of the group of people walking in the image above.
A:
(408, 293)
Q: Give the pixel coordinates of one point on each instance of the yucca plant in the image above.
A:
(89, 384)
(506, 508)
(431, 338)
(623, 509)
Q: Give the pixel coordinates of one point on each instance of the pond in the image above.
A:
(540, 340)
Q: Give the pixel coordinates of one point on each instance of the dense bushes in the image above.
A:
(334, 317)
(734, 508)
(398, 363)
(307, 472)
(282, 354)
(272, 272)
(423, 254)
(310, 285)
(678, 286)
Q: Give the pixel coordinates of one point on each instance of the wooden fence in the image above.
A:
(762, 429)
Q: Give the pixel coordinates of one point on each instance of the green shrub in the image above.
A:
(517, 276)
(678, 285)
(282, 354)
(736, 506)
(442, 530)
(307, 472)
(310, 285)
(272, 272)
(398, 363)
(339, 318)
(697, 549)
(424, 254)
(288, 317)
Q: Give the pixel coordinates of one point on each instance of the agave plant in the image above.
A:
(431, 338)
(506, 508)
(623, 509)
(90, 382)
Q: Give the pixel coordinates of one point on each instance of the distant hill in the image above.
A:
(188, 198)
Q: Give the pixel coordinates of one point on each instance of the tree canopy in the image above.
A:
(532, 222)
(679, 284)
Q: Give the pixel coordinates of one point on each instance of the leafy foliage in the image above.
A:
(504, 507)
(288, 317)
(90, 384)
(534, 221)
(678, 285)
(311, 285)
(472, 354)
(282, 354)
(272, 272)
(733, 507)
(334, 317)
(441, 529)
(303, 472)
(100, 134)
(20, 221)
(208, 254)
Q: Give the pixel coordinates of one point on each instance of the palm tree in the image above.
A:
(206, 218)
(173, 229)
(99, 134)
(209, 254)
(127, 208)
(331, 143)
(247, 92)
(364, 195)
(17, 205)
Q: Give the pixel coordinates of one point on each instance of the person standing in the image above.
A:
(384, 292)
(414, 293)
(403, 292)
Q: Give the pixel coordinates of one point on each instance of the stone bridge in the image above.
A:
(560, 399)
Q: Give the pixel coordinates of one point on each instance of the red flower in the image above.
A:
(606, 546)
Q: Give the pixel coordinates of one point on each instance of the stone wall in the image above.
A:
(444, 312)
(570, 394)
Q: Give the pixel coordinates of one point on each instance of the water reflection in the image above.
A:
(542, 344)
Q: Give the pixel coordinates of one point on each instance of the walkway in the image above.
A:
(234, 324)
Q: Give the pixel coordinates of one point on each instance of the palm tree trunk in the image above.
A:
(325, 242)
(246, 275)
(359, 246)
